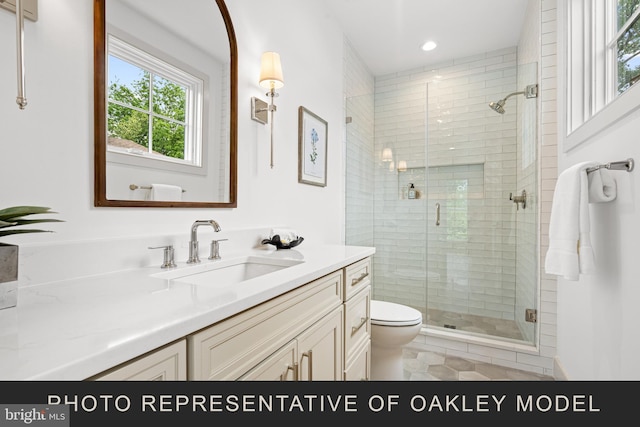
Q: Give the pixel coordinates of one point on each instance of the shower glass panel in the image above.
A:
(359, 155)
(430, 169)
(481, 254)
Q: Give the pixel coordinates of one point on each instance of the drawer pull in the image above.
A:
(363, 321)
(294, 368)
(359, 279)
(309, 354)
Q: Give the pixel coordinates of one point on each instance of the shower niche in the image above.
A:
(411, 183)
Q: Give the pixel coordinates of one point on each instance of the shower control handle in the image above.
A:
(518, 200)
(437, 214)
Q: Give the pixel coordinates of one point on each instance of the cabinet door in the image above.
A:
(280, 366)
(166, 364)
(320, 355)
(359, 369)
(232, 347)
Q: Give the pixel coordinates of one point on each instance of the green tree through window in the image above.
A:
(628, 44)
(148, 109)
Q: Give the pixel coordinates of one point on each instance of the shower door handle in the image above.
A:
(437, 214)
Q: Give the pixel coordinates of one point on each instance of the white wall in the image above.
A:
(598, 336)
(46, 150)
(597, 325)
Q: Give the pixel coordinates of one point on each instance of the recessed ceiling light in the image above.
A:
(429, 45)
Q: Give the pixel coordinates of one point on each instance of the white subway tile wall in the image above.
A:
(447, 105)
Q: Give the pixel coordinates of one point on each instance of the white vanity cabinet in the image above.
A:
(318, 331)
(168, 363)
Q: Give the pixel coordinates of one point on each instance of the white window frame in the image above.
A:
(194, 108)
(591, 103)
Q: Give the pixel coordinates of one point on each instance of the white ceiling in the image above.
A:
(387, 34)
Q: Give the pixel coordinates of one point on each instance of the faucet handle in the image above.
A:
(168, 260)
(215, 249)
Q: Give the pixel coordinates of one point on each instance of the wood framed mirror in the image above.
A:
(165, 115)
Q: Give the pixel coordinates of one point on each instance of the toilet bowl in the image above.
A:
(392, 327)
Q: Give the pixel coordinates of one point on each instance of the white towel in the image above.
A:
(570, 252)
(602, 186)
(165, 192)
(287, 235)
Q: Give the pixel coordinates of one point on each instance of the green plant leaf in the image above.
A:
(14, 217)
(20, 211)
(18, 222)
(9, 232)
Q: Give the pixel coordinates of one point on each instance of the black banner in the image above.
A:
(204, 403)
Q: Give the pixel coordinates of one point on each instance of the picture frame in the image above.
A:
(312, 148)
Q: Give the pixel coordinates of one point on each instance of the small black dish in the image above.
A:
(275, 241)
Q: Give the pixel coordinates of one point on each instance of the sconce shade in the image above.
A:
(387, 155)
(271, 71)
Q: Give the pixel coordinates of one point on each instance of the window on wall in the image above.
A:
(626, 44)
(154, 107)
(602, 40)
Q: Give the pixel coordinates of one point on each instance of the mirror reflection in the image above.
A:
(163, 125)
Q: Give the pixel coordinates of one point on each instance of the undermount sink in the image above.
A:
(227, 271)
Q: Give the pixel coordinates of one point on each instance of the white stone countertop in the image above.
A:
(74, 329)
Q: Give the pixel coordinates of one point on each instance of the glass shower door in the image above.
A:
(481, 262)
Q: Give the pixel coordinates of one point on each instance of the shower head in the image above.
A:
(531, 91)
(498, 107)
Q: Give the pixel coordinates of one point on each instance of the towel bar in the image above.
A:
(621, 165)
(136, 187)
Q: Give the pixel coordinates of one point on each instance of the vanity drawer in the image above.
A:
(357, 276)
(357, 323)
(230, 348)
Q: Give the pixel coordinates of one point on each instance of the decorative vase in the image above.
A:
(8, 275)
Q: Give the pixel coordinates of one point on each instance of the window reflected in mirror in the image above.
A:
(153, 106)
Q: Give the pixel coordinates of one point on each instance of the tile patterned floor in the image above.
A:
(430, 366)
(476, 324)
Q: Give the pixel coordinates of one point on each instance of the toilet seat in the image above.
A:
(385, 313)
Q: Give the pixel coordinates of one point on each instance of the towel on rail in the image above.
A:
(602, 186)
(165, 192)
(570, 252)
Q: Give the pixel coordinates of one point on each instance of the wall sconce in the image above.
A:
(402, 166)
(387, 155)
(270, 78)
(23, 9)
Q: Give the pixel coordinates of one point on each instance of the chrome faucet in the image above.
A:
(193, 244)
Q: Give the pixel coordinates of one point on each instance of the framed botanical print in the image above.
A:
(312, 148)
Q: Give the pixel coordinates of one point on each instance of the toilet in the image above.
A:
(392, 327)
